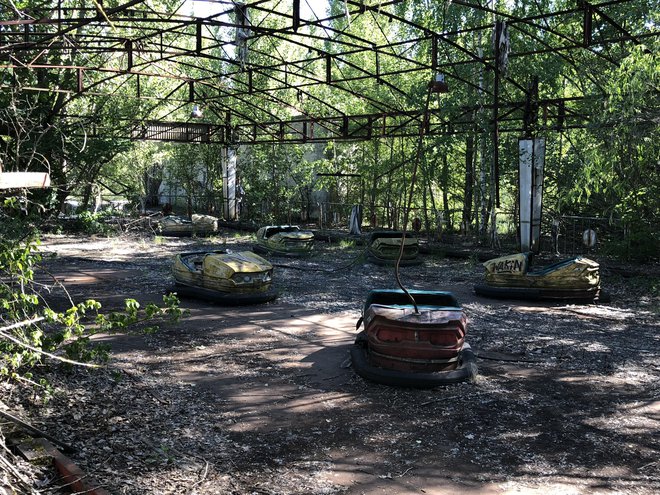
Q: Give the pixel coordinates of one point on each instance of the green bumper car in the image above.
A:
(284, 240)
(384, 246)
(175, 226)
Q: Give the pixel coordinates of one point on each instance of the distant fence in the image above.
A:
(573, 241)
(563, 235)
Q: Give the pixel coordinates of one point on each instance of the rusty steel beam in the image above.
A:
(157, 44)
(353, 128)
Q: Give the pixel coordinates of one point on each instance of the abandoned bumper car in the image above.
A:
(175, 226)
(286, 240)
(511, 277)
(384, 246)
(224, 277)
(407, 349)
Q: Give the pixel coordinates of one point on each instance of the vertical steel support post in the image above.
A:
(530, 188)
(129, 55)
(198, 36)
(296, 15)
(328, 68)
(538, 162)
(525, 154)
(229, 183)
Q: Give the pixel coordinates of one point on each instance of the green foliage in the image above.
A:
(277, 179)
(611, 169)
(346, 244)
(90, 223)
(640, 244)
(138, 172)
(32, 330)
(608, 169)
(194, 172)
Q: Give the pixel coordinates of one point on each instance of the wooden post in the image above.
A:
(530, 180)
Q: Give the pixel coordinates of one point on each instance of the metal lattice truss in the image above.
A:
(261, 71)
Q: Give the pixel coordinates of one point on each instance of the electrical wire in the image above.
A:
(406, 212)
(324, 270)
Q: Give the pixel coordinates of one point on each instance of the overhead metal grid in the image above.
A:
(259, 70)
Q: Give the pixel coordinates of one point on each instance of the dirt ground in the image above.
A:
(263, 400)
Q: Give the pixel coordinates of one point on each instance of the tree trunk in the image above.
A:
(445, 191)
(86, 197)
(427, 224)
(374, 184)
(483, 186)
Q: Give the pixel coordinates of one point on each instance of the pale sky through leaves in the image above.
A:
(202, 8)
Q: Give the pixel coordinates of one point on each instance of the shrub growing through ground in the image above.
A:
(32, 333)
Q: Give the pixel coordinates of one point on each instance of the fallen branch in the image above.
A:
(26, 426)
(202, 477)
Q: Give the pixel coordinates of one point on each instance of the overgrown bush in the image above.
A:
(90, 223)
(639, 244)
(31, 331)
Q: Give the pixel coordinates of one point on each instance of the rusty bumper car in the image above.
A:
(176, 226)
(284, 240)
(384, 246)
(510, 277)
(401, 348)
(223, 277)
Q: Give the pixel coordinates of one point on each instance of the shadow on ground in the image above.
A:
(262, 399)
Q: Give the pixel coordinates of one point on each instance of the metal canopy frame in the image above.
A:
(272, 94)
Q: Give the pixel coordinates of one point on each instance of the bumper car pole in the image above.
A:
(406, 212)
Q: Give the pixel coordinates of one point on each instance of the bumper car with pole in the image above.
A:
(510, 277)
(284, 240)
(223, 277)
(384, 247)
(419, 345)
